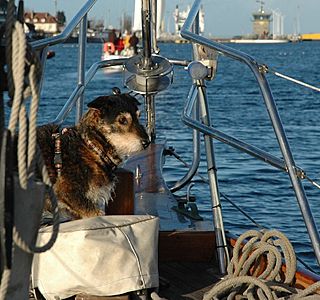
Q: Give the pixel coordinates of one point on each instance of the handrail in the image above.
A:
(63, 36)
(196, 155)
(259, 74)
(64, 112)
(229, 140)
(228, 51)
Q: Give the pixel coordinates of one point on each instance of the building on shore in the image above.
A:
(43, 22)
(261, 22)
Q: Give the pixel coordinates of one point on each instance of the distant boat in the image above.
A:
(110, 52)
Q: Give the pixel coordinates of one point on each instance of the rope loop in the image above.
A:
(24, 69)
(255, 270)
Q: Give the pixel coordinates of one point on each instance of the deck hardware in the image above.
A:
(150, 80)
(197, 70)
(187, 206)
(263, 69)
(138, 173)
(209, 58)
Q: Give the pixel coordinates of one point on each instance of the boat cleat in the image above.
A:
(187, 206)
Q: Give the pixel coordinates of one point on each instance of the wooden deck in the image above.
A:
(186, 280)
(178, 280)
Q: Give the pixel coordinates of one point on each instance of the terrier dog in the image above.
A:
(87, 154)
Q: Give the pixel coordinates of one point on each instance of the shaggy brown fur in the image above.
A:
(108, 132)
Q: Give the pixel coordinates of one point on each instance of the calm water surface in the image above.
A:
(237, 109)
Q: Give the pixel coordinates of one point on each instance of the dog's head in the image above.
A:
(117, 118)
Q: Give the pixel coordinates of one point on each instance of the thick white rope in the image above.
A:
(5, 280)
(32, 139)
(27, 164)
(261, 284)
(18, 65)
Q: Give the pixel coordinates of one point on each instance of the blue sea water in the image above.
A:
(236, 108)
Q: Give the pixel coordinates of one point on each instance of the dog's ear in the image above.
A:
(101, 101)
(133, 99)
(98, 102)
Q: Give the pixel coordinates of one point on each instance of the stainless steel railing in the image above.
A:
(78, 91)
(259, 73)
(76, 98)
(63, 36)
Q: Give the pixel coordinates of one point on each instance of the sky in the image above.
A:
(223, 18)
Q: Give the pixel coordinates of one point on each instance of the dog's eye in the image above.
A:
(123, 121)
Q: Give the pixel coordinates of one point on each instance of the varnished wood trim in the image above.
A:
(123, 199)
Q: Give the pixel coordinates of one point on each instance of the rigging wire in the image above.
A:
(296, 81)
(265, 68)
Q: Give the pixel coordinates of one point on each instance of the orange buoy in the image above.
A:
(109, 47)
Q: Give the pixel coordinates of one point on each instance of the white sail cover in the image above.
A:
(160, 14)
(100, 256)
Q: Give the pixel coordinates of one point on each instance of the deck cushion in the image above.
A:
(100, 256)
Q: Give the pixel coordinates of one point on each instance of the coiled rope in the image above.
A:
(255, 272)
(29, 156)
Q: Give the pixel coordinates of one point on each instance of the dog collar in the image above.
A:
(106, 158)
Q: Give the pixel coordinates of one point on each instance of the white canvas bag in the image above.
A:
(100, 256)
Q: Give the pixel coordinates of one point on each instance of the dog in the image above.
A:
(81, 160)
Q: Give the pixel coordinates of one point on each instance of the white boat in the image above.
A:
(108, 48)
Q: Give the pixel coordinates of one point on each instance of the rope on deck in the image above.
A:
(255, 271)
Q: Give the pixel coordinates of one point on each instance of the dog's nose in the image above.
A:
(145, 143)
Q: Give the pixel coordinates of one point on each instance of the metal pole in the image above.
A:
(82, 42)
(151, 117)
(223, 255)
(147, 65)
(291, 167)
(146, 34)
(154, 26)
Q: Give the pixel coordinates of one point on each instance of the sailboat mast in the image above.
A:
(146, 33)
